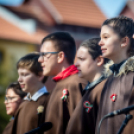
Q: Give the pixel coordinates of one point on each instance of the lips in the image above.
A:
(78, 70)
(103, 50)
(7, 108)
(22, 85)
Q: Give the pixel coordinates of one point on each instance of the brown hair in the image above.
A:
(93, 48)
(123, 26)
(63, 41)
(30, 62)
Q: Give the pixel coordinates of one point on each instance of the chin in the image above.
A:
(80, 75)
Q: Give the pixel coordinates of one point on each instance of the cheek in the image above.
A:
(12, 109)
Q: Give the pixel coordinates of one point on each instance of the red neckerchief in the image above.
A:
(67, 72)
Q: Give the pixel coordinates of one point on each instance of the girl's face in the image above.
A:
(12, 101)
(85, 64)
(110, 43)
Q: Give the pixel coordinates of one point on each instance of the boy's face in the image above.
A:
(27, 80)
(85, 64)
(49, 62)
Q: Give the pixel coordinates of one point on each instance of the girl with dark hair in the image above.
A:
(13, 98)
(90, 65)
(117, 44)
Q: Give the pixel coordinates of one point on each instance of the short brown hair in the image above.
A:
(63, 41)
(30, 62)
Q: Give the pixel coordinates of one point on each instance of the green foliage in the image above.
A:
(4, 118)
(6, 77)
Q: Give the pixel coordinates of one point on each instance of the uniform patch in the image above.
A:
(113, 97)
(40, 109)
(88, 106)
(64, 94)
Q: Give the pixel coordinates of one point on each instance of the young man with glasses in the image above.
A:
(57, 54)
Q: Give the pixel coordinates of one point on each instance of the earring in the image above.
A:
(122, 45)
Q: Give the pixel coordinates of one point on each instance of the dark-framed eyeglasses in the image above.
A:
(45, 53)
(11, 99)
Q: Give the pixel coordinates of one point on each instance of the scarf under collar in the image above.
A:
(126, 66)
(67, 72)
(116, 67)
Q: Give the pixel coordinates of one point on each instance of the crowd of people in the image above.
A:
(100, 81)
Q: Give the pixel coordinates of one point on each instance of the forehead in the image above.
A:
(23, 70)
(107, 29)
(48, 46)
(10, 92)
(82, 51)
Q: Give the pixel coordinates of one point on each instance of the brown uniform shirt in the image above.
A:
(122, 86)
(83, 121)
(27, 116)
(8, 128)
(58, 110)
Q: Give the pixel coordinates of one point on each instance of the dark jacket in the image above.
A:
(8, 128)
(83, 120)
(28, 117)
(121, 86)
(59, 111)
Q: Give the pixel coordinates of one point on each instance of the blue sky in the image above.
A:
(11, 2)
(111, 8)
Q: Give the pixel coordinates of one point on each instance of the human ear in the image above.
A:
(125, 42)
(100, 61)
(60, 57)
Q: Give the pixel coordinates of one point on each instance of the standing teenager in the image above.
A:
(117, 44)
(13, 98)
(90, 65)
(31, 112)
(57, 57)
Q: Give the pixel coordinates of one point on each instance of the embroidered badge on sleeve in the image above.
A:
(88, 106)
(40, 109)
(113, 97)
(64, 94)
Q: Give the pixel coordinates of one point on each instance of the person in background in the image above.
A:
(13, 98)
(31, 113)
(57, 54)
(117, 44)
(90, 64)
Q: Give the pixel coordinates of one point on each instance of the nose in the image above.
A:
(76, 64)
(40, 59)
(101, 43)
(5, 102)
(19, 79)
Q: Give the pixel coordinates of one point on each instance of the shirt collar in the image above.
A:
(38, 94)
(94, 83)
(12, 118)
(115, 68)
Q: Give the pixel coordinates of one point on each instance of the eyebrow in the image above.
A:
(103, 34)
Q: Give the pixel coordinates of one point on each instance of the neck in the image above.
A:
(119, 58)
(62, 67)
(36, 88)
(95, 77)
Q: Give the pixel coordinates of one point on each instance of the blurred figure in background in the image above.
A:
(13, 98)
(32, 111)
